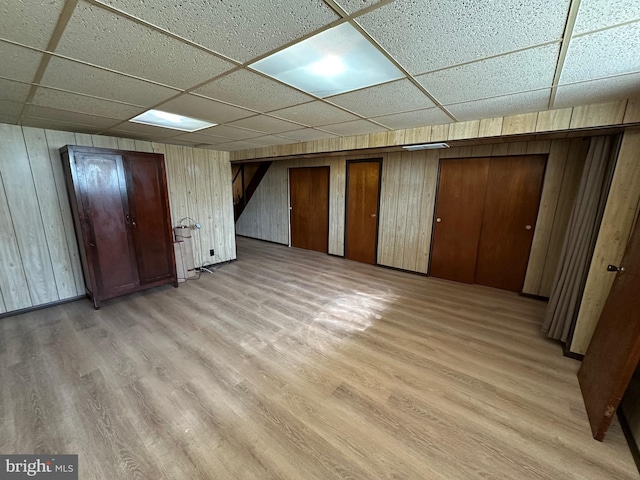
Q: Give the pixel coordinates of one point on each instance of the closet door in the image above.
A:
(108, 240)
(149, 211)
(458, 218)
(363, 197)
(309, 208)
(511, 206)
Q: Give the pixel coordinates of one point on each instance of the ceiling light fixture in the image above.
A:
(158, 118)
(335, 61)
(427, 146)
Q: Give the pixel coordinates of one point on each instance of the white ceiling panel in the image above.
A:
(14, 91)
(266, 124)
(598, 91)
(10, 119)
(241, 29)
(231, 132)
(353, 6)
(393, 97)
(516, 72)
(10, 108)
(147, 130)
(44, 113)
(77, 103)
(596, 14)
(201, 138)
(424, 36)
(57, 125)
(314, 114)
(204, 109)
(30, 22)
(501, 106)
(268, 140)
(103, 38)
(602, 54)
(18, 63)
(239, 145)
(418, 118)
(356, 127)
(77, 77)
(307, 135)
(125, 134)
(253, 91)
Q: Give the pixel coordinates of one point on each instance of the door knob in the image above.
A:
(613, 268)
(528, 227)
(438, 220)
(372, 215)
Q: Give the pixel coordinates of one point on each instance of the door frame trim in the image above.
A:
(379, 160)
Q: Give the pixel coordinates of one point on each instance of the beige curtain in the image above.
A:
(580, 238)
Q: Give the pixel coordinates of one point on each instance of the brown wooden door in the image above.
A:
(614, 350)
(514, 186)
(309, 208)
(458, 218)
(103, 195)
(150, 222)
(363, 193)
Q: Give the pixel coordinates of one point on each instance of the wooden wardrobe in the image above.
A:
(121, 214)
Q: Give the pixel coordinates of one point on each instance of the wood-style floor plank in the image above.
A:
(289, 364)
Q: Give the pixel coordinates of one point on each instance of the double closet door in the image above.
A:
(485, 217)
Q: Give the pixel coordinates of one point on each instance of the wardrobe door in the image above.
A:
(511, 208)
(150, 221)
(458, 218)
(107, 237)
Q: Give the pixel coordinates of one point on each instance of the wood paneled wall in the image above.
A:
(617, 225)
(408, 193)
(39, 261)
(266, 216)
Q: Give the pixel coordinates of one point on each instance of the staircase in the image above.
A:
(246, 178)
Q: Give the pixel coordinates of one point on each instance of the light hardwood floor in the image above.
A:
(293, 364)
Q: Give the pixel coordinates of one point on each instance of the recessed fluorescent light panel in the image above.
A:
(426, 146)
(158, 118)
(335, 61)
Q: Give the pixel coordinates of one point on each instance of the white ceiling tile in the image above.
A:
(418, 118)
(598, 91)
(147, 130)
(240, 30)
(356, 127)
(68, 117)
(18, 63)
(14, 91)
(353, 6)
(231, 132)
(263, 123)
(307, 135)
(77, 103)
(314, 114)
(253, 91)
(10, 108)
(501, 106)
(97, 36)
(596, 14)
(10, 119)
(204, 109)
(200, 138)
(56, 125)
(384, 99)
(76, 77)
(273, 140)
(425, 36)
(602, 54)
(124, 134)
(512, 73)
(30, 22)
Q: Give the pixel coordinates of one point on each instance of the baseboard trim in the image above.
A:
(535, 297)
(336, 255)
(628, 434)
(262, 240)
(40, 307)
(569, 354)
(402, 270)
